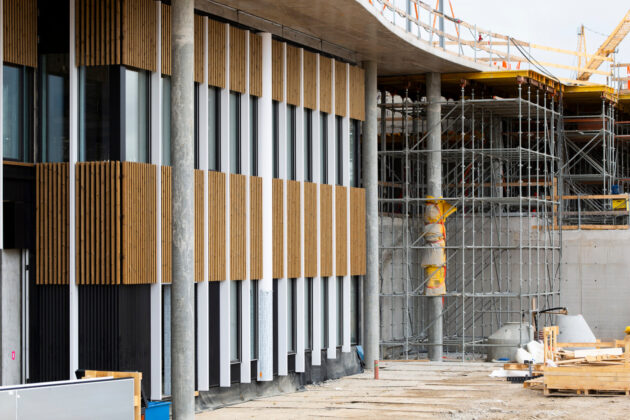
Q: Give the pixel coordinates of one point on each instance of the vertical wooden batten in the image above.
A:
(310, 229)
(255, 65)
(216, 54)
(216, 228)
(357, 93)
(277, 71)
(166, 39)
(357, 232)
(238, 232)
(139, 23)
(340, 88)
(167, 224)
(199, 226)
(341, 231)
(294, 240)
(325, 84)
(310, 80)
(238, 80)
(326, 231)
(19, 24)
(198, 48)
(294, 72)
(278, 227)
(255, 226)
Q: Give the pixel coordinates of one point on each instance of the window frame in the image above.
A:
(308, 145)
(324, 147)
(238, 323)
(291, 142)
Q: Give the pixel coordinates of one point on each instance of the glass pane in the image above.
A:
(308, 145)
(253, 319)
(235, 353)
(213, 129)
(339, 154)
(235, 134)
(94, 113)
(352, 156)
(291, 142)
(55, 109)
(354, 310)
(12, 112)
(308, 307)
(166, 120)
(290, 315)
(339, 311)
(136, 116)
(324, 311)
(323, 138)
(276, 140)
(253, 135)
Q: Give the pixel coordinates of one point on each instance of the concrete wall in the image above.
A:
(11, 318)
(595, 279)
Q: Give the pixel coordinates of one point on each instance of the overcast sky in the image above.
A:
(549, 22)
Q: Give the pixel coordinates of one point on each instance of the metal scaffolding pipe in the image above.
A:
(370, 183)
(182, 151)
(434, 188)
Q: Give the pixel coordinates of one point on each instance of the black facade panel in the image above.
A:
(214, 304)
(19, 207)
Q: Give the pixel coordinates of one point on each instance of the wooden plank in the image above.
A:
(357, 93)
(358, 247)
(20, 32)
(310, 230)
(278, 227)
(166, 39)
(294, 241)
(198, 48)
(341, 79)
(238, 218)
(216, 228)
(341, 231)
(166, 225)
(255, 65)
(199, 226)
(277, 71)
(294, 75)
(256, 239)
(326, 223)
(216, 53)
(238, 80)
(310, 80)
(325, 84)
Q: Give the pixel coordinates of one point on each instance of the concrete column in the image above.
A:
(182, 152)
(371, 303)
(434, 188)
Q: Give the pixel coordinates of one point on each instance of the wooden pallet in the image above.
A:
(581, 392)
(587, 380)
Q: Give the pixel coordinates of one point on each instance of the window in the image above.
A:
(166, 120)
(291, 315)
(323, 133)
(235, 133)
(17, 94)
(308, 145)
(291, 173)
(308, 313)
(253, 319)
(276, 139)
(253, 136)
(354, 310)
(339, 311)
(54, 106)
(136, 116)
(235, 321)
(99, 99)
(324, 311)
(214, 132)
(339, 156)
(353, 160)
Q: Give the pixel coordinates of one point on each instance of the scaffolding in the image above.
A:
(501, 162)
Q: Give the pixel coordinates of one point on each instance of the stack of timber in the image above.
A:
(600, 368)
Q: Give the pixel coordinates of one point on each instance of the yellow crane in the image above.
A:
(608, 47)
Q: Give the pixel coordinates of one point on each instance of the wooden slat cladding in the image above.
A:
(139, 221)
(238, 80)
(216, 53)
(294, 73)
(52, 223)
(167, 224)
(277, 196)
(98, 223)
(216, 228)
(277, 71)
(310, 80)
(255, 65)
(238, 231)
(357, 232)
(199, 48)
(340, 88)
(255, 228)
(294, 240)
(357, 93)
(199, 226)
(139, 33)
(326, 231)
(20, 32)
(341, 231)
(310, 229)
(325, 84)
(166, 40)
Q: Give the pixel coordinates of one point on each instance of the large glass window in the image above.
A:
(353, 160)
(54, 106)
(235, 321)
(291, 315)
(214, 132)
(166, 120)
(235, 133)
(17, 94)
(136, 116)
(339, 311)
(324, 311)
(98, 104)
(308, 313)
(323, 140)
(253, 136)
(354, 310)
(308, 145)
(339, 155)
(253, 319)
(291, 142)
(276, 139)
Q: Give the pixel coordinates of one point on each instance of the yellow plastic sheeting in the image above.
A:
(434, 258)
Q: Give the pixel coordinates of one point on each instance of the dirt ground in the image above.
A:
(418, 390)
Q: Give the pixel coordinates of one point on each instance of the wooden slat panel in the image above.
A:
(52, 217)
(310, 229)
(167, 224)
(357, 232)
(255, 228)
(216, 53)
(341, 231)
(238, 231)
(340, 88)
(278, 227)
(357, 93)
(310, 80)
(216, 228)
(199, 226)
(294, 72)
(139, 34)
(139, 221)
(199, 48)
(255, 65)
(325, 84)
(325, 227)
(237, 60)
(277, 71)
(294, 240)
(166, 40)
(20, 32)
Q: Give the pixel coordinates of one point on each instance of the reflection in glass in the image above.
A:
(55, 139)
(137, 116)
(235, 133)
(16, 113)
(166, 120)
(235, 350)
